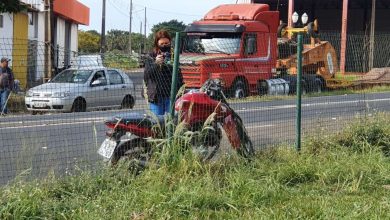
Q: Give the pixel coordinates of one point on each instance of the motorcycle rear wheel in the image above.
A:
(135, 153)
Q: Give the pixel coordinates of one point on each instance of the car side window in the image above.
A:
(115, 77)
(101, 76)
(251, 44)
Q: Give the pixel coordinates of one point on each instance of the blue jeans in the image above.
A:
(161, 107)
(4, 93)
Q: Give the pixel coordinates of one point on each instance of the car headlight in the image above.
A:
(29, 93)
(60, 94)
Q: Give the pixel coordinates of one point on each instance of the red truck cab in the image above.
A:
(236, 43)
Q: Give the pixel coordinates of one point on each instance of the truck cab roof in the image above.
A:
(236, 12)
(234, 18)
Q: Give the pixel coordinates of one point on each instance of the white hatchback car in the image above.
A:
(82, 89)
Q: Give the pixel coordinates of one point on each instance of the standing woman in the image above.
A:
(158, 74)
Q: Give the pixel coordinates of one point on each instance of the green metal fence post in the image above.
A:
(174, 79)
(299, 92)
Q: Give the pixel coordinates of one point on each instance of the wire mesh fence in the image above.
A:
(68, 103)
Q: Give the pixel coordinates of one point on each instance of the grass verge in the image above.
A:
(346, 175)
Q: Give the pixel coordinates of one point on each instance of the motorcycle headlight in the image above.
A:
(60, 94)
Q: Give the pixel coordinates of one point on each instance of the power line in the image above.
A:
(118, 9)
(120, 2)
(175, 13)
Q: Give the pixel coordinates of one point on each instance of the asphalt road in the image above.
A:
(59, 142)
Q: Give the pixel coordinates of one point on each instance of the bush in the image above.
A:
(368, 134)
(16, 103)
(119, 60)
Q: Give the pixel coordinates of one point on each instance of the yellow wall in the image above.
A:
(20, 48)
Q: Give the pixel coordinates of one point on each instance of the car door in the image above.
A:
(117, 86)
(98, 95)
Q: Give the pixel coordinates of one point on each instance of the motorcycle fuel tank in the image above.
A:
(195, 106)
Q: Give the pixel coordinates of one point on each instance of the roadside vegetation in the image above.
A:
(344, 175)
(119, 60)
(16, 103)
(374, 89)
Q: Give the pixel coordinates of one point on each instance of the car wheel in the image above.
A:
(79, 105)
(34, 112)
(239, 89)
(128, 102)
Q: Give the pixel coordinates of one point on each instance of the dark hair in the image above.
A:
(160, 34)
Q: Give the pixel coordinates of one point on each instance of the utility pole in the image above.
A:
(344, 36)
(103, 34)
(290, 12)
(140, 43)
(145, 31)
(131, 22)
(48, 70)
(372, 36)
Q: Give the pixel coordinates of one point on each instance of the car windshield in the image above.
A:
(215, 43)
(72, 76)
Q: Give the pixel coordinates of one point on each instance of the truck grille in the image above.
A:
(191, 75)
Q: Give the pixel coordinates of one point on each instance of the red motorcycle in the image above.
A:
(129, 135)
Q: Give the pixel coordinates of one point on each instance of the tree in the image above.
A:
(11, 6)
(137, 41)
(171, 26)
(118, 40)
(89, 41)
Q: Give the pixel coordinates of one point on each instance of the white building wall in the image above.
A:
(41, 46)
(74, 41)
(32, 33)
(6, 36)
(36, 4)
(61, 41)
(74, 38)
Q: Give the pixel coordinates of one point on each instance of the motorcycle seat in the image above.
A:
(141, 120)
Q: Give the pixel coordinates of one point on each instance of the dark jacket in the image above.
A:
(158, 79)
(6, 78)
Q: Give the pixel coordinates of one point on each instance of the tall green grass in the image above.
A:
(346, 175)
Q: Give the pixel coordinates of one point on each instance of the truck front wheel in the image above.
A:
(239, 89)
(318, 86)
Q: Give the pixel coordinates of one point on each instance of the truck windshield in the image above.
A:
(72, 76)
(214, 43)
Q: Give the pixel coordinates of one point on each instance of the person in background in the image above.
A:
(6, 84)
(158, 74)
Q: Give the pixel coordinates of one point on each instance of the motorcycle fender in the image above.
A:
(230, 128)
(125, 142)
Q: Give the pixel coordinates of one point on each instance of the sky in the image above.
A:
(118, 12)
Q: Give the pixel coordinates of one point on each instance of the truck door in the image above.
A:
(256, 62)
(249, 65)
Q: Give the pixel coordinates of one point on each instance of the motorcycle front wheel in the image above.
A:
(207, 145)
(246, 148)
